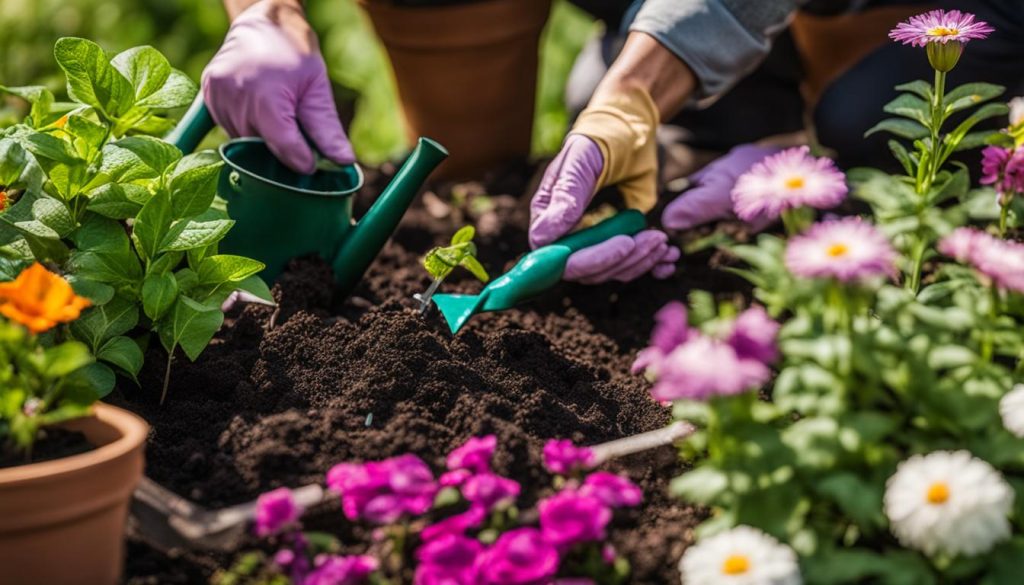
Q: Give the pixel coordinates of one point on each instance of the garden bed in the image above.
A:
(370, 378)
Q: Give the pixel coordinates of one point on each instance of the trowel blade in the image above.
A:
(457, 309)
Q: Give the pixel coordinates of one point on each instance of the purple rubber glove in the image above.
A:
(268, 78)
(559, 204)
(711, 199)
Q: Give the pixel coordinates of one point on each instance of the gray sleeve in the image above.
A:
(721, 40)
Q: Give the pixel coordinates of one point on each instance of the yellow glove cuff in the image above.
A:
(623, 126)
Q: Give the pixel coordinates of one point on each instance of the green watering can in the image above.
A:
(280, 214)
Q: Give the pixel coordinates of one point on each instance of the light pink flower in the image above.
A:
(562, 456)
(753, 335)
(448, 560)
(275, 510)
(940, 26)
(787, 180)
(489, 490)
(519, 557)
(705, 367)
(457, 524)
(670, 331)
(1000, 261)
(383, 491)
(1003, 168)
(571, 517)
(475, 454)
(847, 249)
(612, 490)
(338, 570)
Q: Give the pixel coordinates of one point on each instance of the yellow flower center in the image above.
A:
(941, 31)
(794, 183)
(736, 565)
(938, 493)
(838, 249)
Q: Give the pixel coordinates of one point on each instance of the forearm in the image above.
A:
(646, 64)
(236, 7)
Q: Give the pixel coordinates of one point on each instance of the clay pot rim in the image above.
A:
(133, 431)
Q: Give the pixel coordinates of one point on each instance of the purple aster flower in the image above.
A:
(561, 456)
(612, 490)
(940, 26)
(705, 367)
(474, 455)
(275, 510)
(847, 249)
(571, 517)
(519, 557)
(448, 560)
(383, 491)
(1003, 168)
(670, 331)
(787, 180)
(488, 490)
(338, 570)
(999, 261)
(754, 335)
(457, 524)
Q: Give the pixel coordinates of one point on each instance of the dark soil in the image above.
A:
(53, 444)
(368, 378)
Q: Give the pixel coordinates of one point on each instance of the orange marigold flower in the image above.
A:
(3, 200)
(39, 299)
(61, 122)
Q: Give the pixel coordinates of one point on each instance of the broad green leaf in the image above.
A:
(91, 79)
(13, 159)
(137, 157)
(970, 94)
(702, 485)
(97, 377)
(159, 291)
(921, 88)
(199, 234)
(910, 106)
(859, 499)
(465, 234)
(255, 285)
(39, 96)
(904, 128)
(37, 229)
(153, 224)
(190, 326)
(52, 149)
(100, 234)
(97, 292)
(123, 353)
(983, 113)
(88, 136)
(193, 183)
(145, 68)
(178, 91)
(901, 154)
(61, 360)
(222, 268)
(54, 215)
(98, 324)
(975, 139)
(165, 262)
(117, 201)
(473, 265)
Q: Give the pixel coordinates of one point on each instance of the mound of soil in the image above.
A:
(368, 377)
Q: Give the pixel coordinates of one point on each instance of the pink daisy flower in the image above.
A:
(846, 249)
(786, 180)
(705, 367)
(999, 261)
(1003, 168)
(940, 26)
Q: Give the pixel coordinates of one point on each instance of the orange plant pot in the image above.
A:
(466, 76)
(62, 522)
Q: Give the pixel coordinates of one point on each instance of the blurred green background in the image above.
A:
(188, 32)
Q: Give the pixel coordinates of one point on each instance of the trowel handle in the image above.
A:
(194, 126)
(625, 223)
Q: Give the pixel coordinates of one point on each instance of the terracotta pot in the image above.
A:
(466, 75)
(62, 522)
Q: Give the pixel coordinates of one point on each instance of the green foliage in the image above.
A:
(40, 385)
(126, 215)
(440, 262)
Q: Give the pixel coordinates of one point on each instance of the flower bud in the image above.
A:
(944, 56)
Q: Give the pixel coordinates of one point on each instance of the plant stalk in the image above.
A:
(167, 377)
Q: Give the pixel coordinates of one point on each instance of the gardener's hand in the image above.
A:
(560, 202)
(711, 199)
(268, 78)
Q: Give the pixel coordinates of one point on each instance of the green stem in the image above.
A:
(988, 342)
(167, 376)
(790, 222)
(914, 280)
(1004, 210)
(937, 106)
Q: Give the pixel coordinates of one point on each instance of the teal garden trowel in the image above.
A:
(535, 272)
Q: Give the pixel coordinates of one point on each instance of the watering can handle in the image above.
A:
(624, 223)
(194, 126)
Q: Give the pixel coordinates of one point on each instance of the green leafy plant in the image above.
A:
(441, 261)
(129, 218)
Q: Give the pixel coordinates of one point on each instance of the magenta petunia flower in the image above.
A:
(940, 26)
(275, 510)
(1003, 168)
(383, 491)
(787, 180)
(847, 249)
(705, 367)
(670, 331)
(999, 261)
(454, 478)
(474, 455)
(448, 560)
(571, 517)
(518, 557)
(458, 524)
(488, 490)
(612, 490)
(561, 456)
(339, 570)
(753, 335)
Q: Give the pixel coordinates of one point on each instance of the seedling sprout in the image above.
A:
(441, 261)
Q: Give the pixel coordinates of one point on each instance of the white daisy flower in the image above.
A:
(1011, 408)
(948, 502)
(741, 556)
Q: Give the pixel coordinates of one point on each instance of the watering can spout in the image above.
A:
(371, 232)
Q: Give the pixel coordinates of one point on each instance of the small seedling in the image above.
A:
(441, 261)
